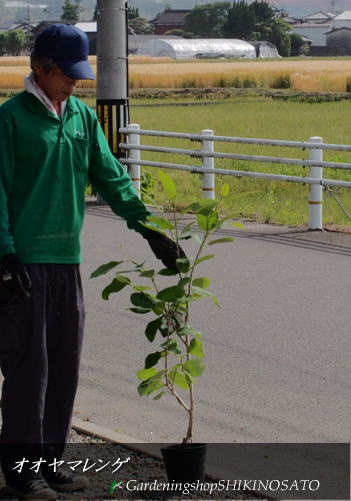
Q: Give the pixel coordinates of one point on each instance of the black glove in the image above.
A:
(164, 249)
(15, 284)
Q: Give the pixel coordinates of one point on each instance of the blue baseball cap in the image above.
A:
(68, 46)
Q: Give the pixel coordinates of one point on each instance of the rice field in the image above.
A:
(324, 75)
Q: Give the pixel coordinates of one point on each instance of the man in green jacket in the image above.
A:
(51, 143)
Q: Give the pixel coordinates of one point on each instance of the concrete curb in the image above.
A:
(105, 434)
(133, 443)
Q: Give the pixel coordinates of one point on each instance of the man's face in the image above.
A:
(56, 85)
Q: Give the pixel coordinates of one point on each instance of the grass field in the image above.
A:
(269, 201)
(331, 75)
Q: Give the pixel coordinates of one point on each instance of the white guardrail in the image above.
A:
(208, 156)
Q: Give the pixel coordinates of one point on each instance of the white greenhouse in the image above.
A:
(182, 48)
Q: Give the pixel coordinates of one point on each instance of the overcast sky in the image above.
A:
(309, 6)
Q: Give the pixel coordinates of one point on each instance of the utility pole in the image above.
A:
(333, 6)
(28, 16)
(112, 70)
(78, 9)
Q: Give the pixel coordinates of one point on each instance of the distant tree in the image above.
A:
(3, 44)
(206, 21)
(240, 21)
(280, 37)
(297, 44)
(70, 11)
(258, 21)
(133, 12)
(140, 26)
(16, 42)
(262, 11)
(264, 19)
(95, 15)
(176, 32)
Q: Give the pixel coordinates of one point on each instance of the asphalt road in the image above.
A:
(278, 350)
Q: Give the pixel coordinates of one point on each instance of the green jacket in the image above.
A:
(45, 163)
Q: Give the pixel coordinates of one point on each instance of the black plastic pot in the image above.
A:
(185, 462)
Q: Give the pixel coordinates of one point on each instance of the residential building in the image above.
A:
(169, 20)
(342, 20)
(314, 32)
(339, 39)
(319, 17)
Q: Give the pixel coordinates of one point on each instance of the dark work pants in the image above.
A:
(40, 346)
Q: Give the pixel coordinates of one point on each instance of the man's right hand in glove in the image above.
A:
(164, 249)
(15, 284)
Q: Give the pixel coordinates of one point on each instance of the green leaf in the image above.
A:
(167, 272)
(143, 300)
(200, 291)
(183, 264)
(221, 240)
(104, 268)
(225, 190)
(195, 367)
(172, 346)
(184, 281)
(171, 294)
(140, 310)
(168, 184)
(140, 288)
(147, 273)
(191, 208)
(206, 206)
(193, 235)
(188, 227)
(204, 258)
(179, 379)
(216, 301)
(159, 395)
(117, 284)
(149, 386)
(147, 373)
(207, 222)
(152, 359)
(202, 282)
(152, 328)
(187, 330)
(161, 222)
(195, 348)
(238, 225)
(151, 227)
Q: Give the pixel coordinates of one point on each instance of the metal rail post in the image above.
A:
(316, 190)
(208, 180)
(134, 169)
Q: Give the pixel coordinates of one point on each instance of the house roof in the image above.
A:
(321, 14)
(306, 39)
(344, 16)
(310, 25)
(292, 20)
(338, 29)
(171, 17)
(87, 27)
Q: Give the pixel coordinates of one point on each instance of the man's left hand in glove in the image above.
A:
(164, 248)
(15, 284)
